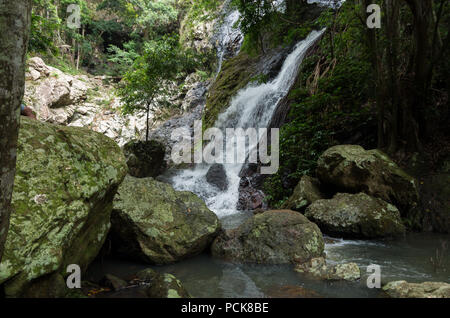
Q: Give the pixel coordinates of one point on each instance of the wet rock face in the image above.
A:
(64, 187)
(154, 223)
(350, 168)
(217, 176)
(403, 289)
(356, 216)
(272, 237)
(145, 158)
(306, 192)
(251, 196)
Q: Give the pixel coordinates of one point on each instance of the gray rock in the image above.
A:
(306, 192)
(350, 168)
(356, 216)
(403, 289)
(145, 158)
(318, 268)
(154, 223)
(113, 282)
(271, 237)
(217, 176)
(64, 186)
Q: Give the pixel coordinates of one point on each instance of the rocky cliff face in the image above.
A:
(89, 101)
(79, 101)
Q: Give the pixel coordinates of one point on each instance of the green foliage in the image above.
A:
(147, 17)
(125, 57)
(163, 60)
(266, 24)
(327, 105)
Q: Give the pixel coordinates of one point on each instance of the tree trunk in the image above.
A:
(422, 13)
(146, 122)
(15, 21)
(372, 45)
(392, 33)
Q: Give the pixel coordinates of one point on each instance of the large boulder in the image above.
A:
(403, 289)
(154, 223)
(217, 176)
(350, 168)
(145, 158)
(356, 216)
(81, 101)
(272, 237)
(49, 89)
(306, 192)
(64, 187)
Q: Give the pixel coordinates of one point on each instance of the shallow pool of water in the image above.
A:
(408, 259)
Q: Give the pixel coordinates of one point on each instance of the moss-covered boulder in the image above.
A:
(145, 158)
(64, 187)
(356, 216)
(403, 289)
(350, 168)
(272, 237)
(156, 224)
(306, 192)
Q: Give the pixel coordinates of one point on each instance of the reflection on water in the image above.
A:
(408, 258)
(203, 276)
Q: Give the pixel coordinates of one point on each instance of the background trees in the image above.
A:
(147, 83)
(14, 22)
(385, 88)
(406, 56)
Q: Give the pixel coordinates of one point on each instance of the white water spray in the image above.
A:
(229, 35)
(253, 106)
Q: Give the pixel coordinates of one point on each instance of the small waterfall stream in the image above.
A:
(228, 36)
(253, 106)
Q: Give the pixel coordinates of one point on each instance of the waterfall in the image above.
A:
(253, 106)
(229, 37)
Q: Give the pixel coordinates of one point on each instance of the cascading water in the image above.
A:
(253, 106)
(228, 36)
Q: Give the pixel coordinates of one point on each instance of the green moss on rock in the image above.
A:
(356, 216)
(350, 168)
(154, 223)
(65, 182)
(272, 237)
(306, 192)
(235, 74)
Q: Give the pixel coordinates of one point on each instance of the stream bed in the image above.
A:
(408, 258)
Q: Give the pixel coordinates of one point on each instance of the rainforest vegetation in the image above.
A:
(363, 116)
